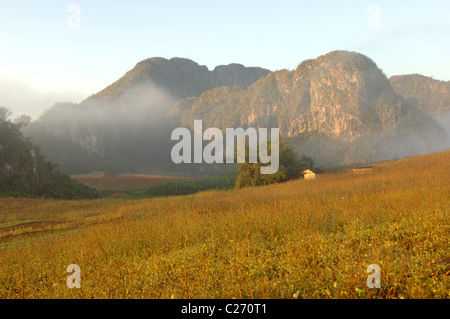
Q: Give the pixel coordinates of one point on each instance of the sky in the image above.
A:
(58, 51)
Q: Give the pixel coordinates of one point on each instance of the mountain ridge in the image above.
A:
(430, 95)
(328, 94)
(340, 101)
(180, 77)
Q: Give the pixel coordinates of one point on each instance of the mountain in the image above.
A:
(340, 94)
(427, 94)
(124, 127)
(339, 109)
(431, 96)
(334, 94)
(178, 77)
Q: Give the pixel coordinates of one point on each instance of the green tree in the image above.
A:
(291, 167)
(24, 170)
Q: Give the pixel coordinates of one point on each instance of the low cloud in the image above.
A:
(22, 98)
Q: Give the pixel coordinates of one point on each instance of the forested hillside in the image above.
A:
(430, 95)
(25, 172)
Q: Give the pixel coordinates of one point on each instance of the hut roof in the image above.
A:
(313, 170)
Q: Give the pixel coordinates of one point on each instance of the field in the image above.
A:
(301, 239)
(126, 182)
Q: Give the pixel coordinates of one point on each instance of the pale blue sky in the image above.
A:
(44, 61)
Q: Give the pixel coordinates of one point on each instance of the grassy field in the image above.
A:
(301, 239)
(126, 182)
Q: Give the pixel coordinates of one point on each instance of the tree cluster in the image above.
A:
(291, 167)
(25, 172)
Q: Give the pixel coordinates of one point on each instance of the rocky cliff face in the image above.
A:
(427, 94)
(431, 96)
(331, 95)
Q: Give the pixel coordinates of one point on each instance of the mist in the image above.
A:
(138, 104)
(22, 98)
(444, 120)
(120, 135)
(131, 132)
(377, 146)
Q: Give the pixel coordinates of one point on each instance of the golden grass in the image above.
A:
(306, 239)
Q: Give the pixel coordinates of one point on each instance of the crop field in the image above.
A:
(300, 239)
(126, 182)
(129, 180)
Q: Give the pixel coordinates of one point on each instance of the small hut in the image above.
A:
(363, 169)
(97, 173)
(311, 173)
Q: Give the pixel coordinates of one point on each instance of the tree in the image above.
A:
(4, 114)
(22, 120)
(25, 172)
(291, 167)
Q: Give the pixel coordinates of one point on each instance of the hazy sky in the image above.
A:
(53, 51)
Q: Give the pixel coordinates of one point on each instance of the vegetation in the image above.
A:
(24, 172)
(181, 78)
(431, 96)
(290, 167)
(248, 174)
(219, 182)
(299, 239)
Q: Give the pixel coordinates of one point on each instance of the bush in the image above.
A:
(191, 187)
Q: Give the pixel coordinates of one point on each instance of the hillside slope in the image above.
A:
(431, 96)
(24, 171)
(301, 239)
(178, 77)
(124, 128)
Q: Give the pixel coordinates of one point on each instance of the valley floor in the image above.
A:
(301, 239)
